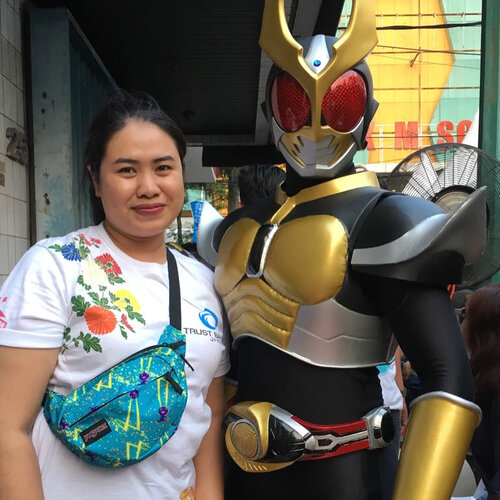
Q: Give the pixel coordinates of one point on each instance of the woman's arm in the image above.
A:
(24, 375)
(208, 461)
(401, 386)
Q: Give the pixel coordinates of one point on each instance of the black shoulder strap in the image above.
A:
(174, 291)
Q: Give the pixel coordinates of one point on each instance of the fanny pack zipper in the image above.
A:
(172, 346)
(168, 377)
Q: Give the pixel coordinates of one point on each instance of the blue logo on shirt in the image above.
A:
(383, 368)
(209, 319)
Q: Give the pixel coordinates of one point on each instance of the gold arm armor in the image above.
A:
(438, 436)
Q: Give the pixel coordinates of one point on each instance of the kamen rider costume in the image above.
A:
(320, 283)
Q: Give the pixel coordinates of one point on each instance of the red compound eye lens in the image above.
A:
(290, 103)
(344, 102)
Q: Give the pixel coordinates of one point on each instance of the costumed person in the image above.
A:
(319, 279)
(481, 330)
(111, 299)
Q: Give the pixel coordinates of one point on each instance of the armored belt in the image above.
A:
(262, 437)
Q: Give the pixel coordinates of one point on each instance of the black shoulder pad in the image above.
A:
(419, 242)
(393, 216)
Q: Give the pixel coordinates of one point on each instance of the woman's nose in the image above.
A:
(147, 185)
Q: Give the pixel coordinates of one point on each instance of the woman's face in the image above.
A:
(140, 181)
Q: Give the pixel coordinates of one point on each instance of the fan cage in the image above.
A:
(446, 174)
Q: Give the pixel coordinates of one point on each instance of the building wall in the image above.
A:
(425, 80)
(14, 218)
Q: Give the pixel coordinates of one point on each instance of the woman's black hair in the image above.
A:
(122, 108)
(483, 338)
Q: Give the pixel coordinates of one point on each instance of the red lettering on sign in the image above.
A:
(406, 135)
(462, 128)
(442, 130)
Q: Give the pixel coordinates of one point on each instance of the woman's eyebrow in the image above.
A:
(125, 160)
(133, 161)
(164, 158)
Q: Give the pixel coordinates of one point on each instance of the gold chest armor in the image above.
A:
(304, 265)
(292, 272)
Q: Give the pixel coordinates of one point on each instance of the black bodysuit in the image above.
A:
(344, 247)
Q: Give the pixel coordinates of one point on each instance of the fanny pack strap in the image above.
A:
(174, 292)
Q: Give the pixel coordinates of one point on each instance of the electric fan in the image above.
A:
(447, 174)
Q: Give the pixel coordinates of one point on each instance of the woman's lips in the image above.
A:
(154, 209)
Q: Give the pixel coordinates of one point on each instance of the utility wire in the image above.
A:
(431, 51)
(394, 57)
(430, 26)
(425, 26)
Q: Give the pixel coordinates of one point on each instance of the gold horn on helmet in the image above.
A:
(355, 44)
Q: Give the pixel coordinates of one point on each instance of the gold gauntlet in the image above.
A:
(438, 436)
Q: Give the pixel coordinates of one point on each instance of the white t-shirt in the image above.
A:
(83, 294)
(390, 391)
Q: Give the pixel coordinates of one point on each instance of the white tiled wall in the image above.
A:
(14, 221)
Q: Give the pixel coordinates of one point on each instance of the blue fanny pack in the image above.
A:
(131, 410)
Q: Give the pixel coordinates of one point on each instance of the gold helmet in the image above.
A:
(319, 100)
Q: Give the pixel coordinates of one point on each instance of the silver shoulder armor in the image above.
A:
(461, 233)
(209, 221)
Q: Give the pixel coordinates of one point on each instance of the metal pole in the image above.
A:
(489, 114)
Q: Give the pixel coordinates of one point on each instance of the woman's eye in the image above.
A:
(163, 168)
(126, 170)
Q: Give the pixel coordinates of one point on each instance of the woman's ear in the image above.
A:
(94, 182)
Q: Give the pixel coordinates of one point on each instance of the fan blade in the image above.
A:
(424, 182)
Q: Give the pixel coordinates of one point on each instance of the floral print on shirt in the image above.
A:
(104, 308)
(187, 494)
(3, 319)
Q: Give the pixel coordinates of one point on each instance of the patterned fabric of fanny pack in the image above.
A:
(131, 410)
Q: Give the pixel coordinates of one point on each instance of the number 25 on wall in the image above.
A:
(17, 149)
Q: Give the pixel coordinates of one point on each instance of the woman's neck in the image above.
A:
(150, 249)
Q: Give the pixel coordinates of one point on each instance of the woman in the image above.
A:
(76, 305)
(481, 330)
